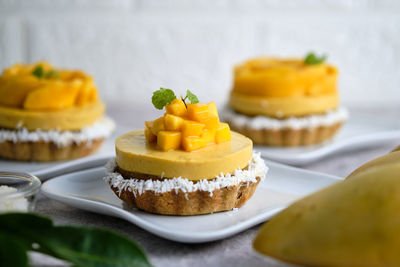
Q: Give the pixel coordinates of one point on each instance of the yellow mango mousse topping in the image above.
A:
(187, 126)
(189, 141)
(38, 96)
(284, 87)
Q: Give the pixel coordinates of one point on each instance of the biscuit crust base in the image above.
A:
(288, 137)
(191, 203)
(46, 151)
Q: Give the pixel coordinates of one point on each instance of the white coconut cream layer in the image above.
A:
(256, 168)
(263, 122)
(100, 129)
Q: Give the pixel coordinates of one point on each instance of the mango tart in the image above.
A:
(186, 162)
(285, 102)
(49, 114)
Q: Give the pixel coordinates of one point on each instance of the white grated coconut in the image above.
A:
(264, 122)
(100, 129)
(256, 168)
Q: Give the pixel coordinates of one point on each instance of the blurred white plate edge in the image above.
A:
(300, 156)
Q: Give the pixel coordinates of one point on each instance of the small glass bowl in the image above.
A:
(18, 192)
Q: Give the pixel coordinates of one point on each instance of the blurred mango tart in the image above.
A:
(285, 102)
(185, 162)
(49, 114)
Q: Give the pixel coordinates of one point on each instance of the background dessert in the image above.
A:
(185, 162)
(285, 102)
(49, 114)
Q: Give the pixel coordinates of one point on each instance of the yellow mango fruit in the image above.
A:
(157, 125)
(269, 77)
(176, 107)
(192, 128)
(85, 94)
(212, 109)
(208, 136)
(167, 140)
(150, 137)
(148, 124)
(13, 90)
(51, 97)
(191, 143)
(211, 123)
(390, 158)
(223, 133)
(14, 70)
(355, 222)
(197, 112)
(204, 113)
(172, 122)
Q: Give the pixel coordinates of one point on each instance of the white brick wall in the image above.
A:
(132, 47)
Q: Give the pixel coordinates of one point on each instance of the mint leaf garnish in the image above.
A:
(38, 72)
(162, 97)
(312, 59)
(192, 97)
(52, 74)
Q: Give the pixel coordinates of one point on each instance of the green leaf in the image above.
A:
(38, 72)
(162, 97)
(192, 97)
(86, 246)
(52, 74)
(12, 251)
(312, 59)
(81, 246)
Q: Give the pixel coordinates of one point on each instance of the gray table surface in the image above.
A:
(234, 251)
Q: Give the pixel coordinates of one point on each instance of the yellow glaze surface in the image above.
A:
(73, 118)
(134, 154)
(287, 83)
(281, 107)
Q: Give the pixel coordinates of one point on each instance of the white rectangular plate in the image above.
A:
(283, 184)
(361, 131)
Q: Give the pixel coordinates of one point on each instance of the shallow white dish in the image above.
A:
(283, 184)
(46, 170)
(360, 131)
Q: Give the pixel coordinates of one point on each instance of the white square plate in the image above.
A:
(360, 131)
(283, 184)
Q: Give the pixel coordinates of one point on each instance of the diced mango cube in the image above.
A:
(176, 107)
(150, 137)
(211, 122)
(212, 109)
(148, 124)
(197, 112)
(191, 143)
(208, 136)
(167, 140)
(223, 133)
(158, 125)
(172, 122)
(192, 128)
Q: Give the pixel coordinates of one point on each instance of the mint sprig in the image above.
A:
(40, 73)
(52, 74)
(312, 59)
(165, 96)
(162, 97)
(192, 97)
(81, 246)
